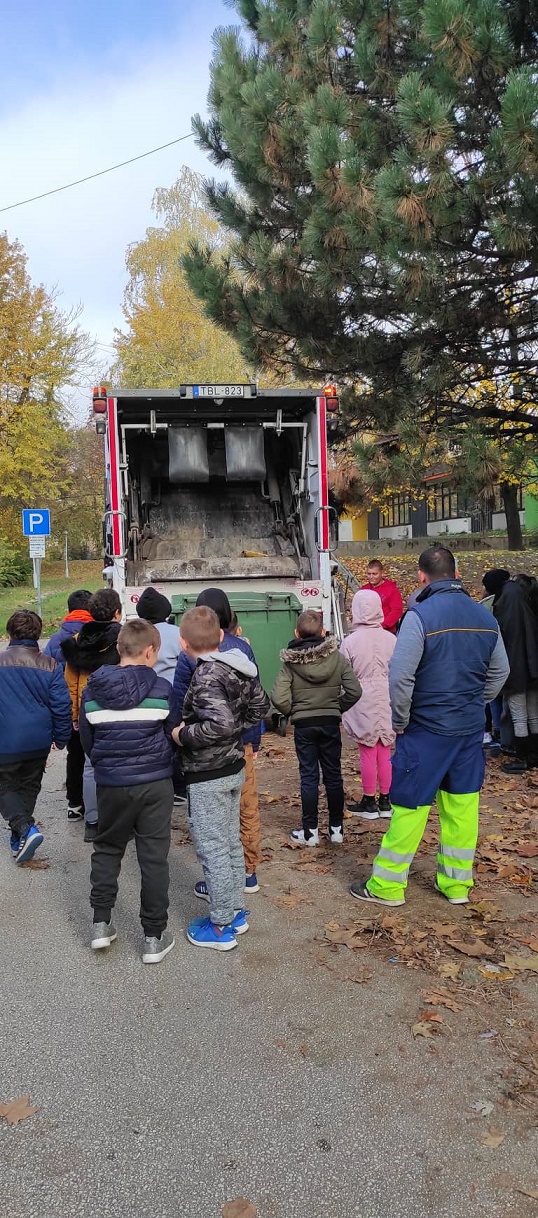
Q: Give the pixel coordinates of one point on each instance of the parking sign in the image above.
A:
(36, 522)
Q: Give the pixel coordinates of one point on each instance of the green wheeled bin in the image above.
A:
(267, 620)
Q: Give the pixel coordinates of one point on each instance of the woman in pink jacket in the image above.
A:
(368, 649)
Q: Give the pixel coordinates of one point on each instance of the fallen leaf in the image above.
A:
(240, 1208)
(422, 1028)
(528, 850)
(348, 936)
(449, 968)
(518, 964)
(36, 864)
(17, 1110)
(444, 929)
(271, 799)
(288, 901)
(471, 949)
(493, 1138)
(484, 1107)
(440, 998)
(431, 1016)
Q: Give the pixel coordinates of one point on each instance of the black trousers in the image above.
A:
(20, 784)
(320, 746)
(74, 770)
(145, 809)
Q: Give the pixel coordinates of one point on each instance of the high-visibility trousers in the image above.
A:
(452, 770)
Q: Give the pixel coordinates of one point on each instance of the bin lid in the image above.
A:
(246, 602)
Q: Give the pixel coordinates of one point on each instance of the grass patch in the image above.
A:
(55, 589)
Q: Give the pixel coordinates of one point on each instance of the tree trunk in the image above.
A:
(509, 494)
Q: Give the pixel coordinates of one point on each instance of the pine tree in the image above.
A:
(385, 208)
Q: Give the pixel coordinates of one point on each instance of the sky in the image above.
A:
(82, 87)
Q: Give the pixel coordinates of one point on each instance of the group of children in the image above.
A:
(144, 695)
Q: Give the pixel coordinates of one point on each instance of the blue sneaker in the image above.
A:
(201, 890)
(203, 933)
(28, 845)
(251, 883)
(240, 924)
(14, 843)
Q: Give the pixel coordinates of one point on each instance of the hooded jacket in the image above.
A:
(183, 677)
(124, 726)
(156, 608)
(391, 601)
(369, 648)
(224, 697)
(70, 626)
(34, 703)
(315, 682)
(92, 647)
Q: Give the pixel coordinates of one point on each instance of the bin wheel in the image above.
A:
(282, 725)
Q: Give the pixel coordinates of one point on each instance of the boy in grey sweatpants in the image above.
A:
(224, 698)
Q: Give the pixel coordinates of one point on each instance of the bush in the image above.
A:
(15, 568)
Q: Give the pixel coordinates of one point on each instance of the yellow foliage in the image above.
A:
(169, 338)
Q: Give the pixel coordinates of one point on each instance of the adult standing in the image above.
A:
(449, 660)
(518, 627)
(391, 597)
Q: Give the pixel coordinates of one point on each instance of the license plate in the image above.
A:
(218, 391)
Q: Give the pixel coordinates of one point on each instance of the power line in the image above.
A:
(99, 174)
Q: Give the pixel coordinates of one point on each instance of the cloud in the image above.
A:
(87, 121)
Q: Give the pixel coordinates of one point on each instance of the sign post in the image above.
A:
(36, 527)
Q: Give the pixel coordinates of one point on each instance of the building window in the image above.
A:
(395, 512)
(443, 502)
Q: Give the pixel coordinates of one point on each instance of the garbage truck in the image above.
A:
(222, 485)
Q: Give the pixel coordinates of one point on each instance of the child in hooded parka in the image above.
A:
(369, 648)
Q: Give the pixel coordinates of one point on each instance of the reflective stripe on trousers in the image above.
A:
(458, 815)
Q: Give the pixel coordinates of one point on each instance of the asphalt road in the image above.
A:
(164, 1092)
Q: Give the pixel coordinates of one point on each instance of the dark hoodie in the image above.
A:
(93, 646)
(316, 682)
(124, 726)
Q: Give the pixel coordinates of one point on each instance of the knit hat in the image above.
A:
(495, 580)
(217, 600)
(153, 606)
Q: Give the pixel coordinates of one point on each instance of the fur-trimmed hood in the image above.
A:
(317, 659)
(308, 651)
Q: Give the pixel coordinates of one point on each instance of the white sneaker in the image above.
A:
(336, 836)
(298, 836)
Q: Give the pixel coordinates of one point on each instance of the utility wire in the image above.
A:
(99, 174)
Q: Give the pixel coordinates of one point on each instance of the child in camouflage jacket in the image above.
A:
(223, 698)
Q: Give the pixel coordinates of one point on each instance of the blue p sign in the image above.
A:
(36, 522)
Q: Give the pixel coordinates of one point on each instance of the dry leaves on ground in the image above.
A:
(493, 1138)
(519, 964)
(441, 998)
(471, 949)
(36, 864)
(424, 1028)
(240, 1208)
(17, 1110)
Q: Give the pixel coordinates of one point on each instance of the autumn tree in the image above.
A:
(42, 352)
(384, 214)
(169, 339)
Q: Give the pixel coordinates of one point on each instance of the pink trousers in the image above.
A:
(375, 766)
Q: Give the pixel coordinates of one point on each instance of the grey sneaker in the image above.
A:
(156, 949)
(103, 935)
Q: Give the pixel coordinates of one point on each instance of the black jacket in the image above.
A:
(94, 645)
(519, 630)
